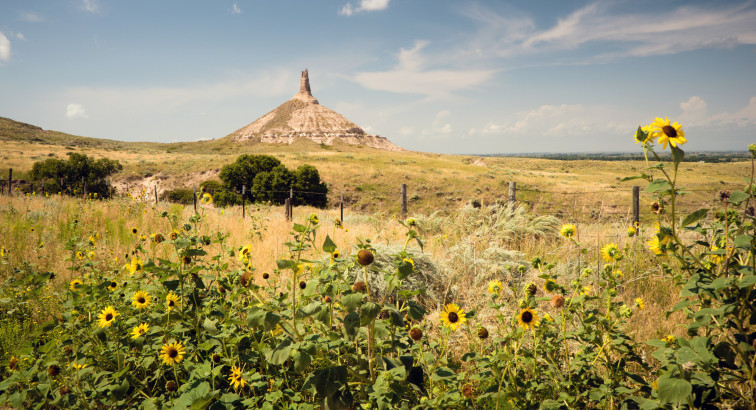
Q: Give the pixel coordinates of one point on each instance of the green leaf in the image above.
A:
(368, 312)
(209, 326)
(351, 324)
(743, 241)
(328, 381)
(641, 176)
(677, 155)
(351, 301)
(120, 391)
(262, 318)
(301, 360)
(658, 185)
(299, 228)
(285, 263)
(309, 310)
(328, 245)
(405, 269)
(747, 281)
(737, 197)
(416, 312)
(694, 217)
(673, 390)
(442, 373)
(282, 352)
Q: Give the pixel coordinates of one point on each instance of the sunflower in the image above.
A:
(644, 135)
(611, 253)
(528, 319)
(75, 284)
(141, 300)
(670, 339)
(236, 378)
(453, 316)
(79, 255)
(335, 255)
(314, 219)
(631, 232)
(107, 316)
(92, 240)
(245, 253)
(337, 223)
(656, 247)
(494, 287)
(134, 230)
(640, 304)
(174, 235)
(668, 133)
(135, 266)
(138, 331)
(112, 286)
(207, 198)
(173, 353)
(91, 255)
(568, 230)
(171, 301)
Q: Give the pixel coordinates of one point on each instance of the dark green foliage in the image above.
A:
(267, 179)
(179, 196)
(211, 186)
(223, 198)
(78, 173)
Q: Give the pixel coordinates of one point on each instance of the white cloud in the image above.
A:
(440, 128)
(90, 6)
(20, 36)
(30, 17)
(74, 111)
(5, 48)
(410, 76)
(365, 6)
(693, 111)
(743, 117)
(235, 9)
(655, 32)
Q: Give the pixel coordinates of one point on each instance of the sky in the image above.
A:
(443, 76)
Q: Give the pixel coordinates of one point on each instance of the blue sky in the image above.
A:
(430, 75)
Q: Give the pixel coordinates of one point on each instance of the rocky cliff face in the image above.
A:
(304, 117)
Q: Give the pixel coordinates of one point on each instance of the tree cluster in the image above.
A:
(267, 179)
(77, 175)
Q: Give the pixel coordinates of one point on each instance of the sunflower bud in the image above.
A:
(483, 333)
(13, 363)
(216, 358)
(53, 370)
(266, 275)
(416, 334)
(64, 390)
(359, 287)
(724, 195)
(365, 257)
(327, 299)
(531, 289)
(302, 284)
(245, 279)
(468, 391)
(752, 149)
(67, 350)
(171, 385)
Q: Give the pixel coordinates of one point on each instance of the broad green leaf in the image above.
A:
(368, 312)
(674, 390)
(299, 228)
(328, 381)
(737, 197)
(743, 241)
(694, 217)
(658, 185)
(209, 326)
(309, 310)
(677, 155)
(328, 245)
(351, 301)
(405, 269)
(285, 263)
(351, 324)
(641, 176)
(747, 281)
(282, 352)
(416, 312)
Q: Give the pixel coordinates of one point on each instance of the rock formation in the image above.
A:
(304, 117)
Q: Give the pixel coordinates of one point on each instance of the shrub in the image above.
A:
(180, 196)
(78, 173)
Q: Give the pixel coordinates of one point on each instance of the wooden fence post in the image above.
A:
(244, 191)
(287, 207)
(341, 205)
(194, 191)
(636, 205)
(404, 201)
(512, 191)
(156, 197)
(10, 181)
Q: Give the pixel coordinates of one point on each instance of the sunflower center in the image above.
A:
(109, 317)
(140, 300)
(670, 131)
(171, 303)
(453, 318)
(172, 353)
(113, 284)
(527, 317)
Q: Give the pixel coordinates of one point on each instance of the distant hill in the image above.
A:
(11, 130)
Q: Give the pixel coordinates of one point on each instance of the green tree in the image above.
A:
(243, 171)
(308, 189)
(76, 173)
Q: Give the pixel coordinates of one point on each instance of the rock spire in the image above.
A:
(305, 94)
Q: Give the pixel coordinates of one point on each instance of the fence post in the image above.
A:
(341, 206)
(10, 181)
(244, 191)
(156, 197)
(287, 206)
(512, 191)
(127, 186)
(636, 204)
(194, 190)
(291, 194)
(404, 201)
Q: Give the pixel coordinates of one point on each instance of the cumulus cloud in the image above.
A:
(440, 127)
(30, 17)
(90, 6)
(235, 9)
(5, 48)
(364, 6)
(410, 76)
(74, 111)
(20, 36)
(693, 111)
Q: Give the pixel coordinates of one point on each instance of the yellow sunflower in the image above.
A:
(236, 378)
(640, 304)
(528, 319)
(79, 255)
(314, 219)
(112, 286)
(453, 316)
(92, 240)
(656, 247)
(75, 284)
(611, 253)
(135, 266)
(335, 255)
(494, 287)
(668, 133)
(631, 232)
(173, 353)
(91, 255)
(134, 230)
(644, 136)
(139, 330)
(245, 253)
(171, 301)
(207, 198)
(107, 316)
(568, 230)
(141, 300)
(337, 223)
